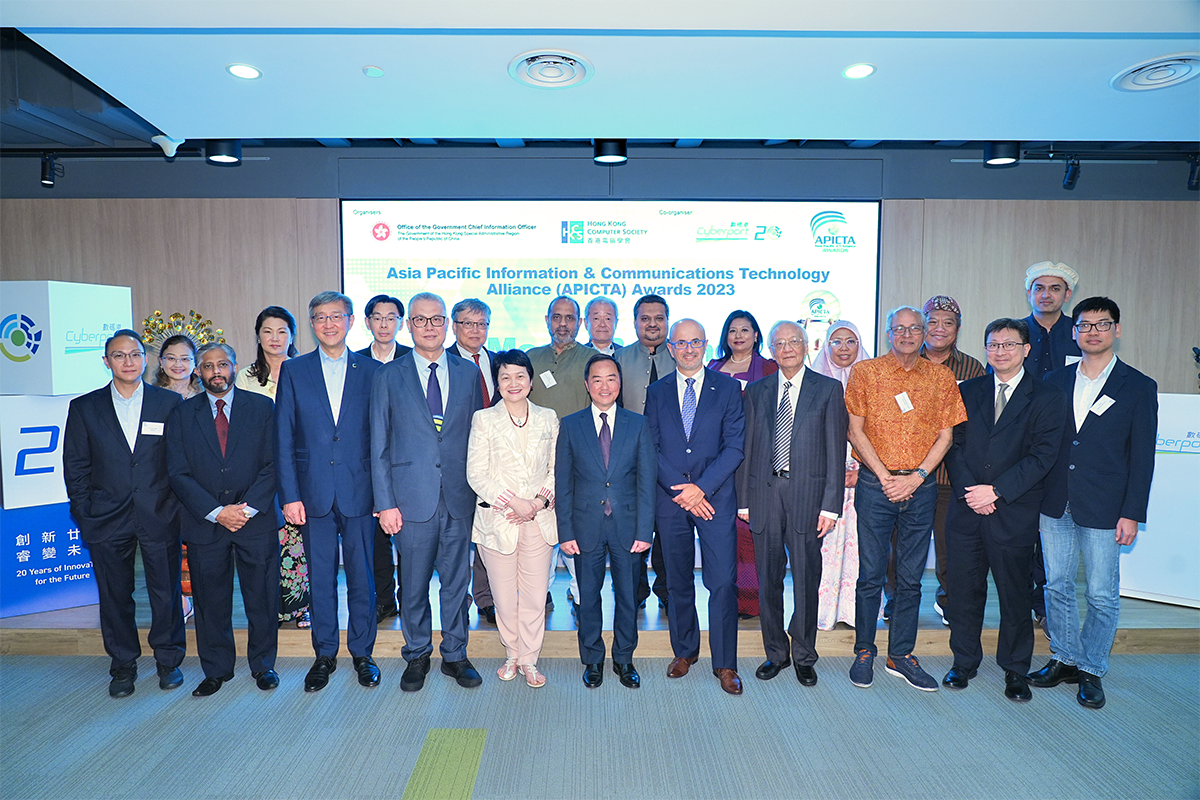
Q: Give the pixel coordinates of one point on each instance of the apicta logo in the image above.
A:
(829, 234)
(381, 231)
(20, 337)
(572, 231)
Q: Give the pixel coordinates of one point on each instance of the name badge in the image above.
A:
(1072, 360)
(1101, 405)
(548, 379)
(152, 429)
(904, 403)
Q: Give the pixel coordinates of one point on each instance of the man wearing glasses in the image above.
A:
(698, 428)
(115, 468)
(323, 444)
(791, 488)
(1098, 494)
(903, 410)
(421, 409)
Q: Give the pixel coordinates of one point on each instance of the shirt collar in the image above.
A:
(681, 380)
(1012, 382)
(119, 398)
(795, 379)
(1103, 376)
(212, 401)
(423, 362)
(327, 359)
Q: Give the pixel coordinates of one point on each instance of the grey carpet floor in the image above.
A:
(62, 737)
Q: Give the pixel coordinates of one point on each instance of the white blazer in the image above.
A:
(498, 470)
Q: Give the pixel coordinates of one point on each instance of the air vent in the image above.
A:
(550, 70)
(1158, 73)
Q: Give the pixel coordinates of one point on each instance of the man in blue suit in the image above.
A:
(221, 460)
(604, 474)
(421, 409)
(698, 427)
(323, 468)
(1097, 494)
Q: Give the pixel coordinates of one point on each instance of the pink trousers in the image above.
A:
(518, 582)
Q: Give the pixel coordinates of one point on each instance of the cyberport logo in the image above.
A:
(829, 232)
(20, 337)
(572, 231)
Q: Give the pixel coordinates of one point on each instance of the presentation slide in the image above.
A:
(811, 261)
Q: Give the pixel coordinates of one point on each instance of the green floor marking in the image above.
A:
(448, 765)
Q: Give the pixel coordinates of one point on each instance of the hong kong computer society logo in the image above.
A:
(829, 232)
(20, 337)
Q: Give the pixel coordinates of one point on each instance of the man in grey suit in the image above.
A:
(421, 408)
(791, 487)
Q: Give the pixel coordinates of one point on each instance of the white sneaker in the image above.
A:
(508, 671)
(533, 678)
(940, 612)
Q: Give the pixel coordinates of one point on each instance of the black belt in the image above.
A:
(781, 473)
(902, 471)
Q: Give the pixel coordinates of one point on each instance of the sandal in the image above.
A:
(508, 671)
(304, 621)
(533, 678)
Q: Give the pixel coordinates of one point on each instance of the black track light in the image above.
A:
(1001, 154)
(51, 169)
(1194, 174)
(609, 151)
(223, 152)
(1071, 176)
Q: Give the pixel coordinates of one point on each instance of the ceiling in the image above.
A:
(948, 70)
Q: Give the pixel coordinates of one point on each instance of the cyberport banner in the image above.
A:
(44, 564)
(815, 261)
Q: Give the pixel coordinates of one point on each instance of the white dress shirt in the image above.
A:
(612, 418)
(334, 370)
(1087, 390)
(391, 354)
(129, 412)
(681, 384)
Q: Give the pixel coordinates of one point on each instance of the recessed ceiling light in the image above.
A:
(550, 70)
(371, 71)
(244, 71)
(1158, 73)
(855, 71)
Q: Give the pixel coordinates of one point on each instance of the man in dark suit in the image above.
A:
(115, 468)
(222, 467)
(421, 409)
(1098, 493)
(384, 316)
(791, 486)
(698, 427)
(323, 469)
(998, 463)
(604, 476)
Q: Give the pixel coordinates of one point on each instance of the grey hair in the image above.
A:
(324, 298)
(588, 308)
(550, 308)
(205, 348)
(470, 304)
(425, 296)
(892, 316)
(777, 325)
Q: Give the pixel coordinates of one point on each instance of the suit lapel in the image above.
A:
(317, 376)
(1016, 404)
(109, 414)
(1111, 387)
(204, 420)
(419, 395)
(622, 440)
(769, 402)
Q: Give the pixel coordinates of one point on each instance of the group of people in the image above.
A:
(393, 461)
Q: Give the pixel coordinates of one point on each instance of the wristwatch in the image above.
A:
(923, 473)
(545, 500)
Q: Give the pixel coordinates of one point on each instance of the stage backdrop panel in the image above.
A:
(31, 438)
(44, 564)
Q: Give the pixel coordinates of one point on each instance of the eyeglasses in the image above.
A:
(121, 358)
(992, 347)
(1084, 327)
(900, 330)
(379, 319)
(321, 319)
(436, 321)
(843, 342)
(176, 359)
(471, 325)
(779, 344)
(694, 344)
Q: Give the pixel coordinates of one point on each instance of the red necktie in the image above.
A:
(487, 398)
(222, 426)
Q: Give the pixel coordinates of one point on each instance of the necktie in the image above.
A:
(487, 398)
(222, 426)
(1001, 401)
(783, 431)
(433, 394)
(689, 408)
(653, 368)
(605, 452)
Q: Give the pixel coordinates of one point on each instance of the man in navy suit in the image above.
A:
(222, 467)
(604, 475)
(421, 409)
(698, 427)
(998, 463)
(1097, 495)
(115, 468)
(323, 468)
(791, 487)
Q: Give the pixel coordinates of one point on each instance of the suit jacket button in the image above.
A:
(689, 449)
(1071, 467)
(609, 485)
(335, 438)
(135, 488)
(331, 463)
(226, 492)
(439, 466)
(987, 466)
(1075, 443)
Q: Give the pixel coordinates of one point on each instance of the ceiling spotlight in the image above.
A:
(51, 169)
(224, 152)
(1001, 154)
(1071, 176)
(244, 71)
(372, 71)
(856, 71)
(1194, 174)
(609, 151)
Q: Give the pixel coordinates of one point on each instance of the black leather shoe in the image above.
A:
(414, 674)
(957, 677)
(463, 672)
(1054, 673)
(662, 601)
(628, 675)
(549, 602)
(266, 680)
(368, 673)
(807, 675)
(488, 613)
(318, 677)
(1091, 693)
(169, 677)
(1016, 687)
(769, 669)
(593, 675)
(385, 610)
(123, 678)
(210, 686)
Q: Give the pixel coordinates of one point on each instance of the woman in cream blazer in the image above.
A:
(510, 465)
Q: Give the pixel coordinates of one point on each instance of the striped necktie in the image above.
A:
(783, 431)
(433, 395)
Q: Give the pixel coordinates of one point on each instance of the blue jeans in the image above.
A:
(913, 521)
(1062, 543)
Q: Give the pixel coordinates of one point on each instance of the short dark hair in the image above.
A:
(550, 308)
(121, 333)
(723, 350)
(1096, 304)
(1019, 326)
(510, 358)
(650, 298)
(383, 298)
(596, 359)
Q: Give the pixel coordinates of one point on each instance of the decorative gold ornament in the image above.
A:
(156, 329)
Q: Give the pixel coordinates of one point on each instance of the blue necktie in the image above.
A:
(689, 408)
(433, 394)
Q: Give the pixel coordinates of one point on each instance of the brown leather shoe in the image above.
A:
(680, 666)
(730, 681)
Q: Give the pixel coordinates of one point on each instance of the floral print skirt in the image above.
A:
(294, 594)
